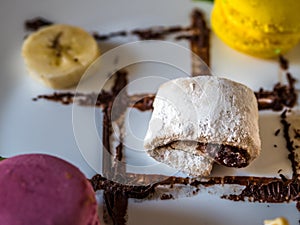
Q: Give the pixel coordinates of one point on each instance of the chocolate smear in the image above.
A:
(36, 23)
(199, 44)
(283, 62)
(281, 96)
(277, 132)
(105, 37)
(289, 143)
(166, 196)
(157, 33)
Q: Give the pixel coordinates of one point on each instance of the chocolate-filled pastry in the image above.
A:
(197, 121)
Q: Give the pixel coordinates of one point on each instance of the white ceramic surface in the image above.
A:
(46, 127)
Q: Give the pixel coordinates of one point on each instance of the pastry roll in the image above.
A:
(197, 121)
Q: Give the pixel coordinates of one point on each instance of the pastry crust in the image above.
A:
(200, 111)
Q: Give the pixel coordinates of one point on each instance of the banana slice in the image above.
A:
(277, 221)
(58, 55)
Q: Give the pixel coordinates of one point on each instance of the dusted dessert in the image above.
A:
(41, 189)
(200, 120)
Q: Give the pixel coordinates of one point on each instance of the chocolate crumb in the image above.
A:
(275, 146)
(279, 171)
(166, 196)
(159, 32)
(105, 37)
(119, 152)
(289, 142)
(283, 178)
(36, 23)
(183, 37)
(273, 191)
(284, 64)
(277, 132)
(281, 96)
(297, 133)
(283, 114)
(200, 43)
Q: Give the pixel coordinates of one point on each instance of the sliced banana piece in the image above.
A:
(277, 221)
(58, 55)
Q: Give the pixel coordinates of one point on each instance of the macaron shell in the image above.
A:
(251, 41)
(264, 15)
(40, 189)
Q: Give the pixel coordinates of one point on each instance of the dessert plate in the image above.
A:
(42, 126)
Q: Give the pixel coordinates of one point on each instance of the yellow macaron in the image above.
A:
(260, 28)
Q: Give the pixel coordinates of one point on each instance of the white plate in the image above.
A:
(46, 127)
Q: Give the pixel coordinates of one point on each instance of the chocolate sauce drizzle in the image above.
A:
(257, 189)
(158, 33)
(289, 144)
(150, 33)
(116, 195)
(114, 199)
(142, 102)
(199, 44)
(281, 96)
(36, 23)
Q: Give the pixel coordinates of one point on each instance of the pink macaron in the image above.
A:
(40, 189)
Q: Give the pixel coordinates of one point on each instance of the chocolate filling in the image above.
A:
(226, 155)
(231, 156)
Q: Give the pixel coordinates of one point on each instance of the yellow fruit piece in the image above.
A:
(277, 221)
(260, 28)
(58, 55)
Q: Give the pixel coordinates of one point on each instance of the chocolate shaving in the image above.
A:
(67, 98)
(277, 132)
(116, 200)
(257, 189)
(130, 191)
(281, 96)
(297, 134)
(289, 143)
(166, 196)
(36, 23)
(157, 33)
(105, 37)
(275, 191)
(199, 43)
(116, 203)
(283, 62)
